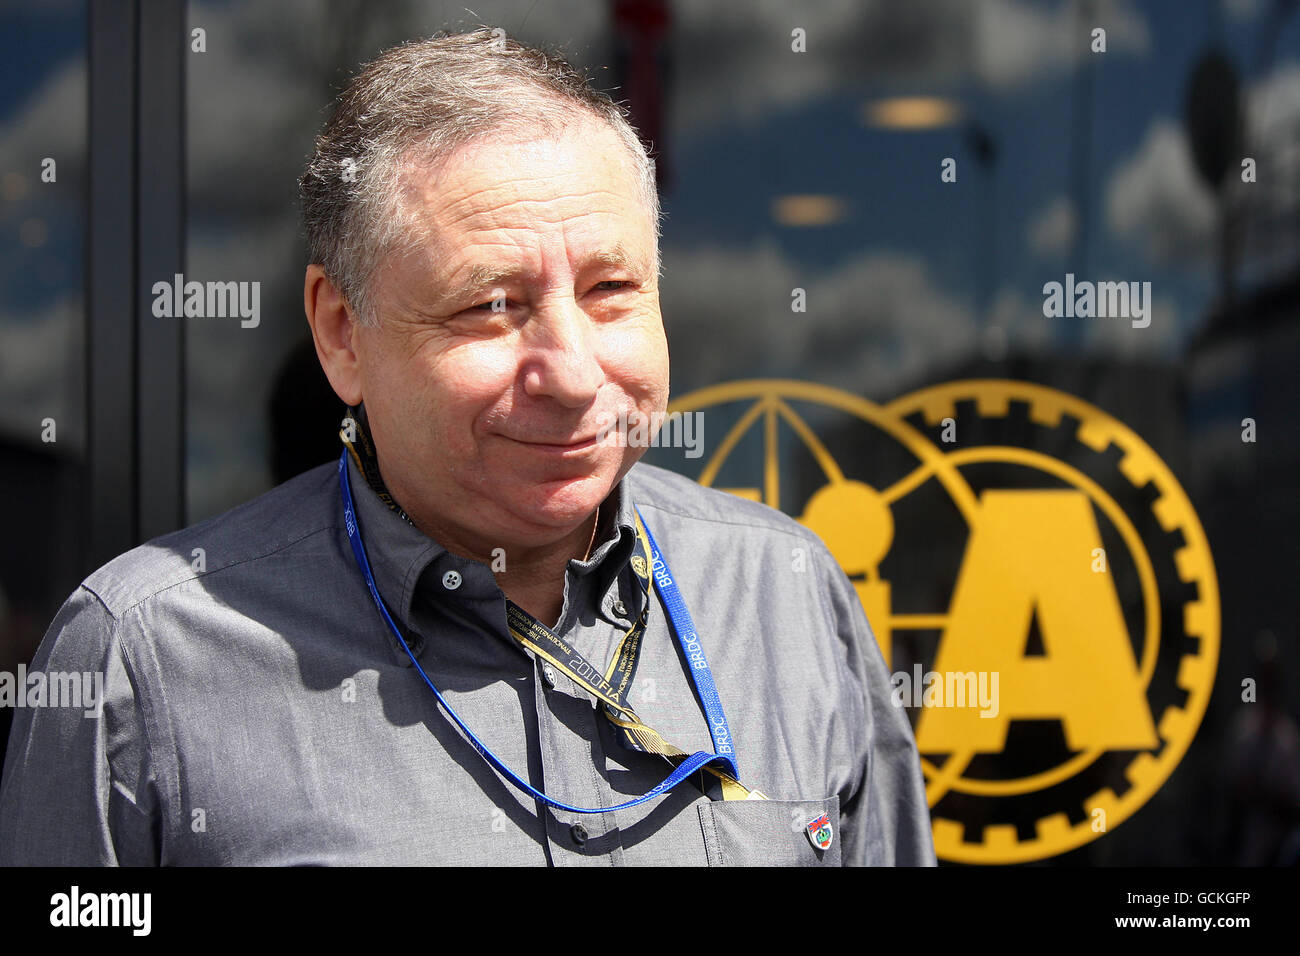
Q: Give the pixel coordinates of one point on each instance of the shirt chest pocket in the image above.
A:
(771, 832)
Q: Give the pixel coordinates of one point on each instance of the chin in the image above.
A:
(562, 502)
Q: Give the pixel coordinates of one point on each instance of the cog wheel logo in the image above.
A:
(1037, 579)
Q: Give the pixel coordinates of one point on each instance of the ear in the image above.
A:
(335, 331)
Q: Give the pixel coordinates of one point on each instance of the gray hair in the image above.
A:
(420, 101)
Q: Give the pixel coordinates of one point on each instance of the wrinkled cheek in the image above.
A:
(653, 395)
(640, 367)
(657, 372)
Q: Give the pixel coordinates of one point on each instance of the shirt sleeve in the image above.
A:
(78, 787)
(886, 822)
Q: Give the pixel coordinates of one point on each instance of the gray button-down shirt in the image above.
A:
(257, 710)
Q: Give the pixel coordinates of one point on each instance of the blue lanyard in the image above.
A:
(683, 627)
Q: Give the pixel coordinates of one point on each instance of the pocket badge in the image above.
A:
(820, 834)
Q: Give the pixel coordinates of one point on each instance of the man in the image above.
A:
(484, 297)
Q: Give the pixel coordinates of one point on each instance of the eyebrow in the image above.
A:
(487, 275)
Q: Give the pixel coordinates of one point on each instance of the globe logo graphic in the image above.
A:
(1013, 531)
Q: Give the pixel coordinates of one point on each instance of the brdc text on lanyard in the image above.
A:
(609, 690)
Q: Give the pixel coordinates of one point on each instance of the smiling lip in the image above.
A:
(561, 448)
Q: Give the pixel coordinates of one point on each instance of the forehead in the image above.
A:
(575, 186)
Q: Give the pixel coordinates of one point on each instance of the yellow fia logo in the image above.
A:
(1078, 577)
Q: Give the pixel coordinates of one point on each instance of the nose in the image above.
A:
(562, 362)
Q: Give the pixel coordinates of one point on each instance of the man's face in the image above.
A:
(486, 420)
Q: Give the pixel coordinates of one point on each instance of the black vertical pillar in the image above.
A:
(110, 281)
(160, 342)
(134, 362)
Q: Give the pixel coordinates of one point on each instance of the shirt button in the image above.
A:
(620, 608)
(549, 673)
(579, 833)
(451, 580)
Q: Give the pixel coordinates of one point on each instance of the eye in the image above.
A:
(487, 306)
(611, 285)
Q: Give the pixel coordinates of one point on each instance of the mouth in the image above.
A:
(561, 448)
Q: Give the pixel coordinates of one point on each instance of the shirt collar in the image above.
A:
(616, 537)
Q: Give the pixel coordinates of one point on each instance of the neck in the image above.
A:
(535, 579)
(531, 575)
